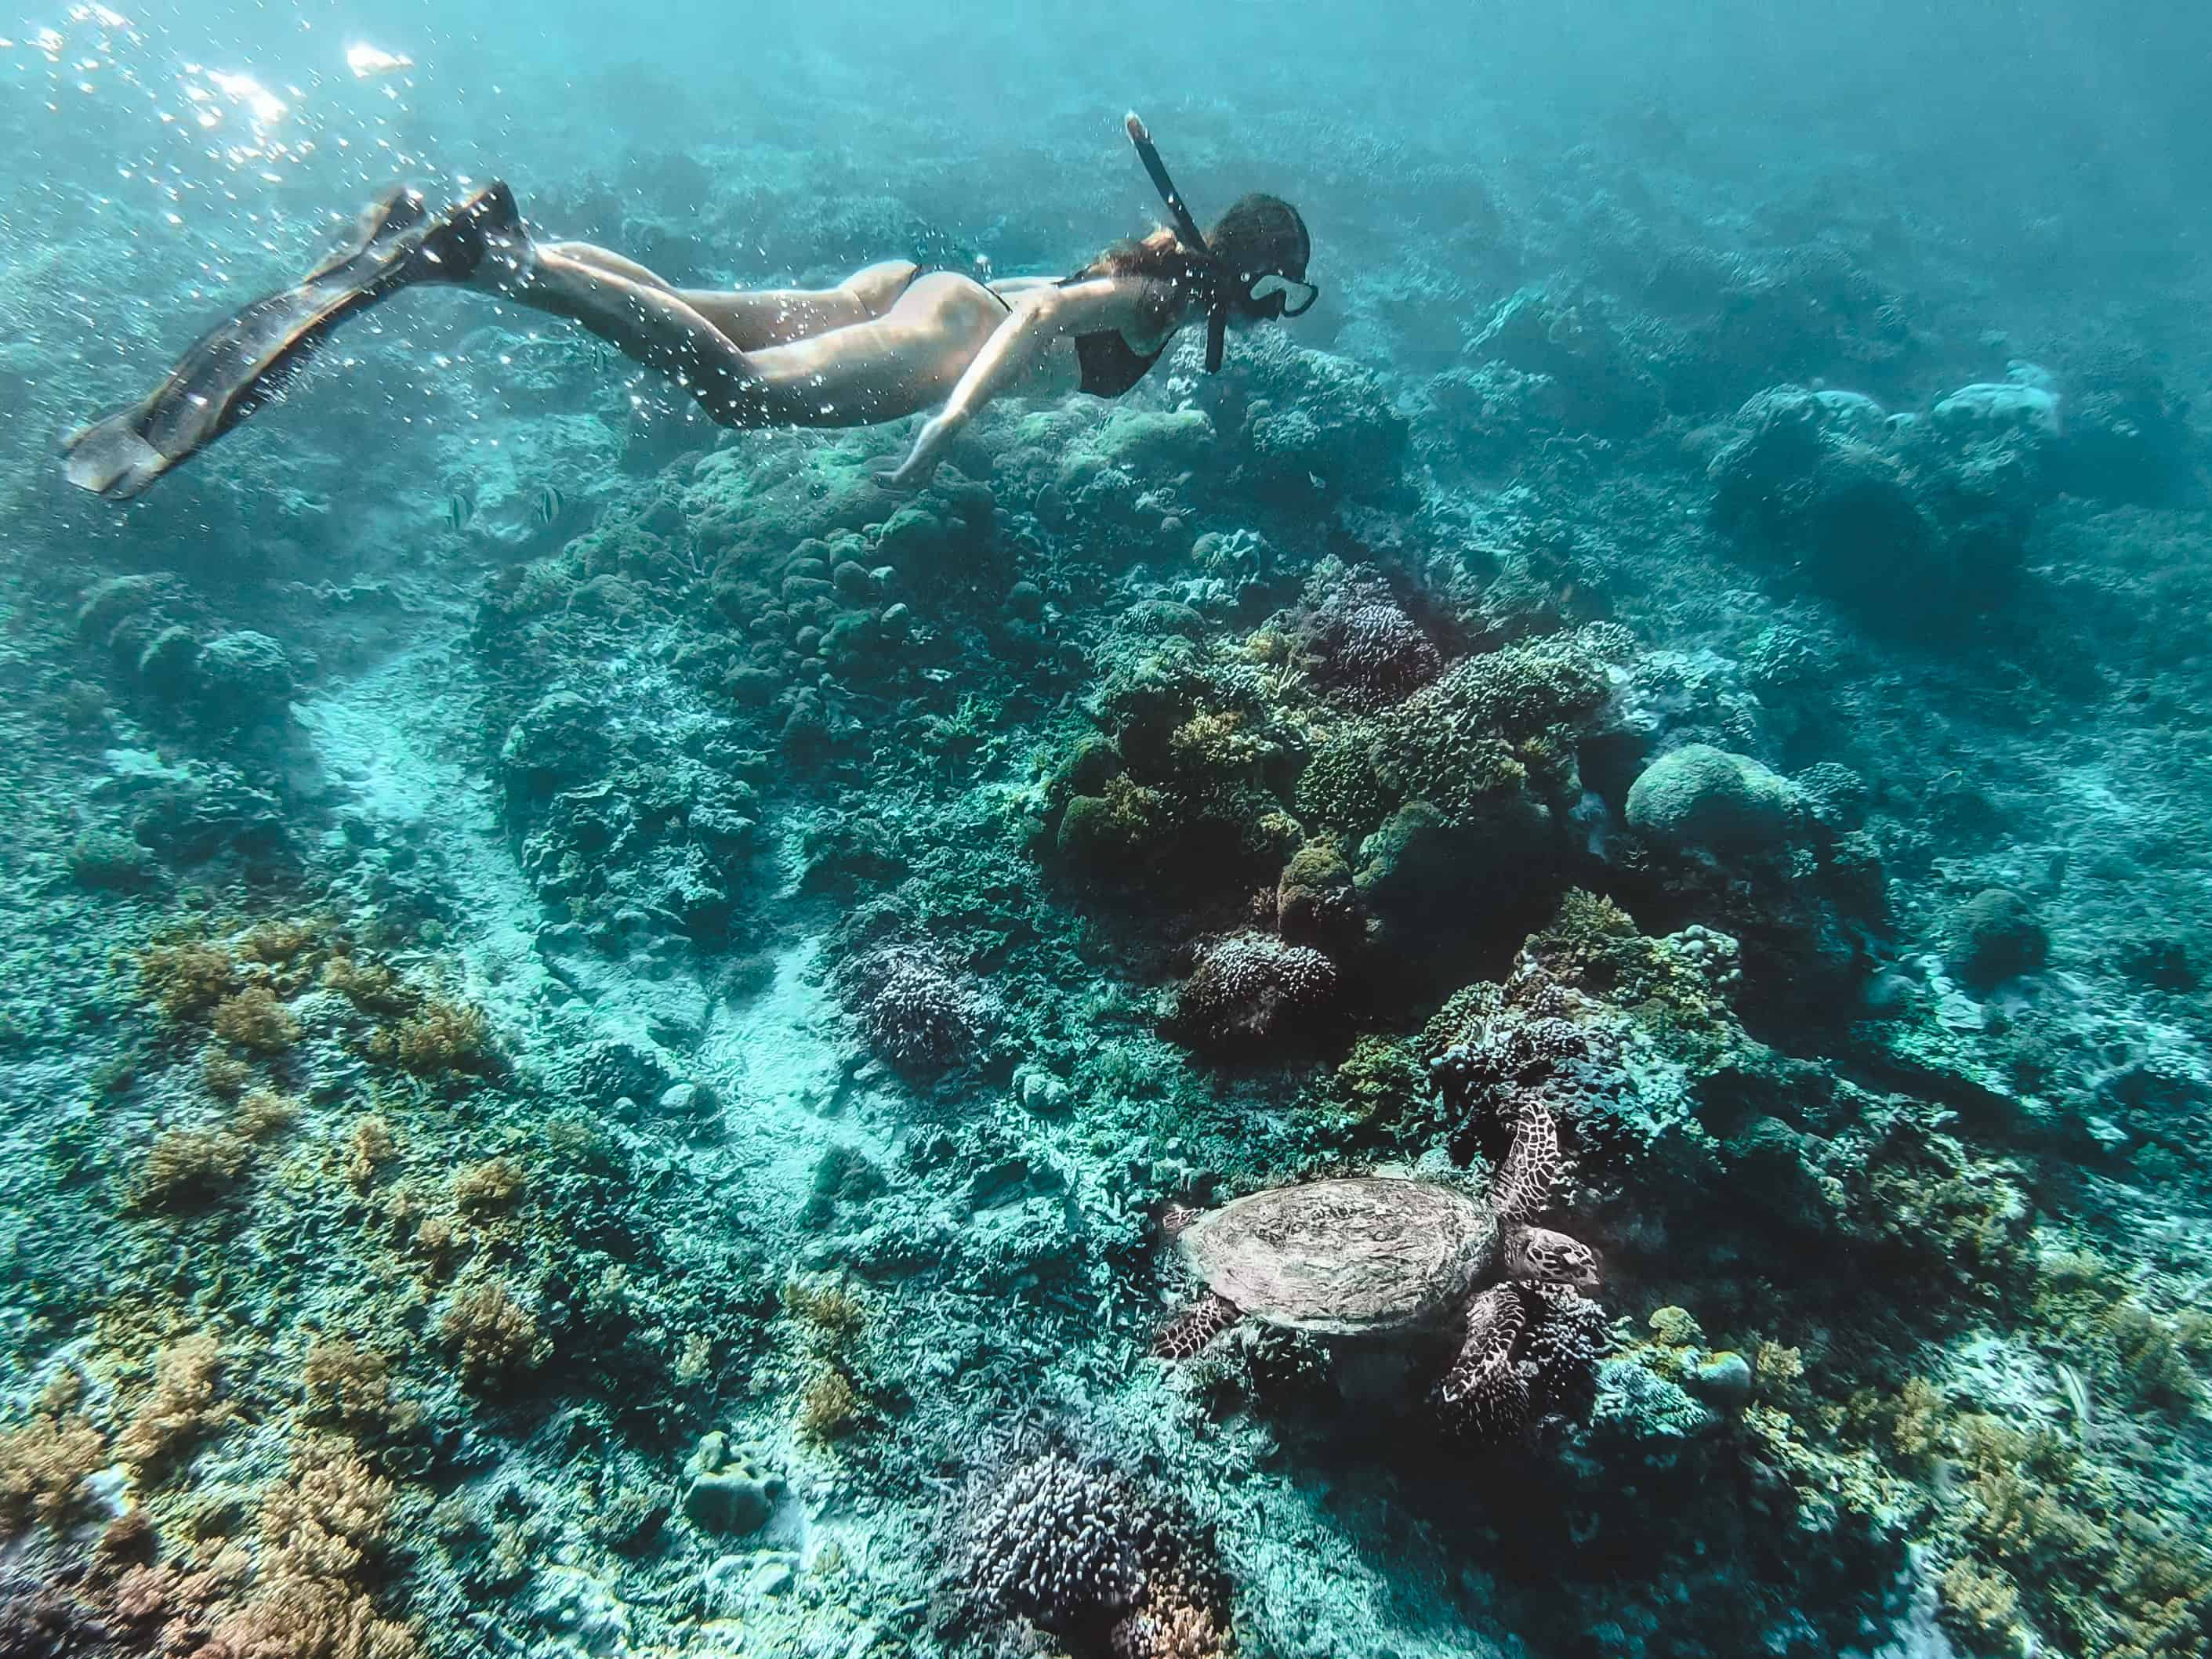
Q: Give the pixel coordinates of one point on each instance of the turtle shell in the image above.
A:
(1374, 1253)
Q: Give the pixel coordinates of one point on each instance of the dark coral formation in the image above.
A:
(1910, 521)
(918, 1013)
(1089, 1554)
(1253, 992)
(1363, 647)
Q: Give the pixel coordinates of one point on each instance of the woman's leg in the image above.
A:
(761, 317)
(635, 312)
(756, 319)
(815, 367)
(879, 346)
(906, 360)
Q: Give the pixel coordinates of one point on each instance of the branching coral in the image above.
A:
(256, 1021)
(369, 1146)
(323, 1530)
(441, 1038)
(184, 1408)
(351, 1384)
(188, 978)
(369, 986)
(1362, 647)
(829, 1406)
(488, 1188)
(44, 1466)
(831, 1314)
(1497, 717)
(495, 1337)
(185, 1167)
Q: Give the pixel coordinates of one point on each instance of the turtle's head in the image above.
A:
(1540, 1253)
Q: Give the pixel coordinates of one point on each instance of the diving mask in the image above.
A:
(1271, 293)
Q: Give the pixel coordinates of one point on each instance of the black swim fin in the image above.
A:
(244, 360)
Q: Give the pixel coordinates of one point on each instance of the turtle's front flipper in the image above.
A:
(1194, 1327)
(244, 361)
(1484, 1394)
(1532, 1163)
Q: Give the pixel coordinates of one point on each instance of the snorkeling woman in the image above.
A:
(890, 341)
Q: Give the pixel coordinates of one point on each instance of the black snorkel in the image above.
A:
(1192, 238)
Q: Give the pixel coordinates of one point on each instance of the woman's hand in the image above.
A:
(929, 446)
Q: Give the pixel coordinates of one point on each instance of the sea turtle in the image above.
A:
(1375, 1255)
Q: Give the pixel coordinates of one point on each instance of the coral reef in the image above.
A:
(597, 1006)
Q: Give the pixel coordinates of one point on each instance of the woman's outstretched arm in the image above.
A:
(1033, 324)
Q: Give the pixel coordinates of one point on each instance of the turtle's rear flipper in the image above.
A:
(1189, 1331)
(246, 360)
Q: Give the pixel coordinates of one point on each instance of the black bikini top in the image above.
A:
(1110, 364)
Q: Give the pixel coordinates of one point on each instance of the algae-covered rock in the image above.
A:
(1995, 937)
(726, 1492)
(1722, 1381)
(244, 678)
(1314, 903)
(1145, 442)
(561, 740)
(1423, 873)
(1701, 796)
(166, 662)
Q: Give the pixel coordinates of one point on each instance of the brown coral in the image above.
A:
(323, 1532)
(441, 1038)
(185, 1167)
(44, 1464)
(829, 1406)
(186, 979)
(488, 1188)
(496, 1339)
(256, 1021)
(185, 1406)
(350, 1383)
(369, 986)
(370, 1146)
(920, 1013)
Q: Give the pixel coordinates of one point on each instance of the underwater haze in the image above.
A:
(1528, 977)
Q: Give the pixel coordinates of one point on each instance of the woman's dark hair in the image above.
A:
(1259, 235)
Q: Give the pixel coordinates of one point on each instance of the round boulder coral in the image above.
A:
(1250, 989)
(1314, 903)
(1701, 796)
(245, 676)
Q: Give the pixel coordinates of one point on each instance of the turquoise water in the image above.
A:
(1526, 976)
